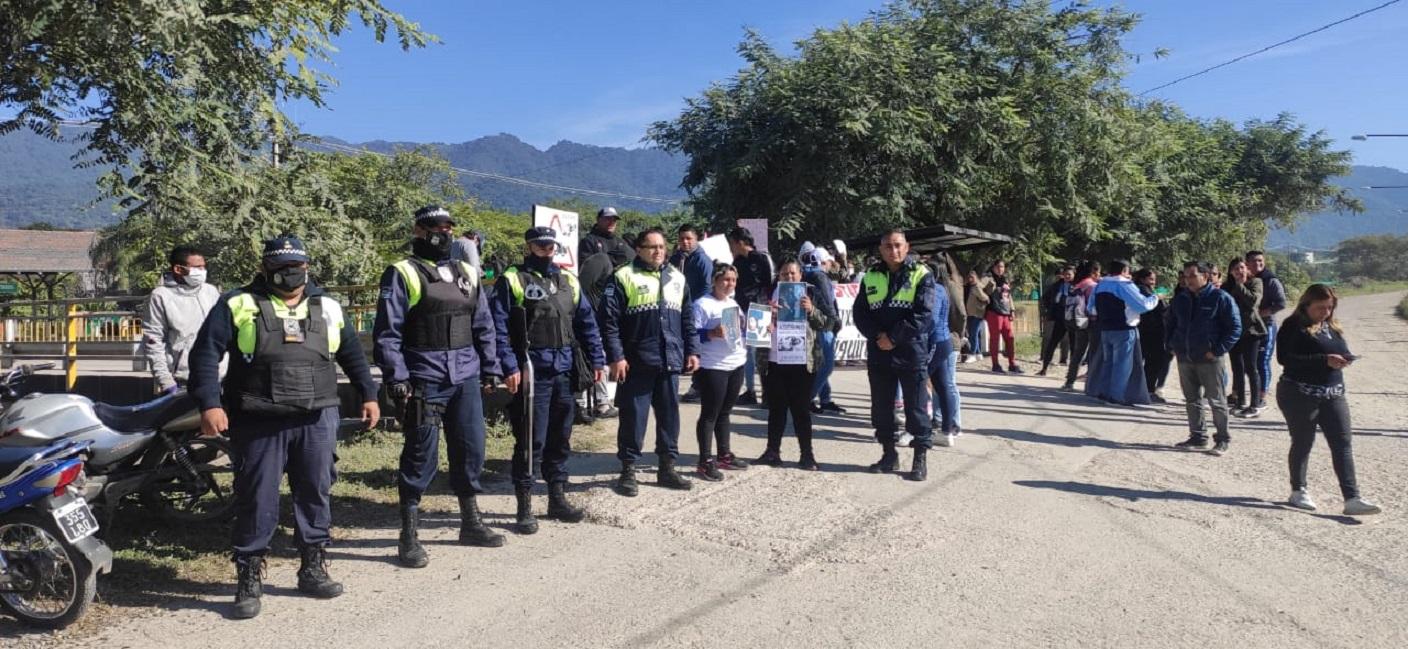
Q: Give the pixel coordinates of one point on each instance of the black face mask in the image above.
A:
(434, 246)
(288, 279)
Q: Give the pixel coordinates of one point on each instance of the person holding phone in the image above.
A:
(1313, 354)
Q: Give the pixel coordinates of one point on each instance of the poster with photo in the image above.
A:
(789, 343)
(759, 317)
(733, 327)
(789, 302)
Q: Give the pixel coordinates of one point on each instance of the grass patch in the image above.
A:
(1370, 287)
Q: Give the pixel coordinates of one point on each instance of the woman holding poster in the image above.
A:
(721, 354)
(792, 362)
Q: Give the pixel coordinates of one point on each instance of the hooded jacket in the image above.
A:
(174, 314)
(1201, 323)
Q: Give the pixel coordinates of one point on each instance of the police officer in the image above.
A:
(893, 312)
(280, 405)
(647, 330)
(434, 343)
(557, 320)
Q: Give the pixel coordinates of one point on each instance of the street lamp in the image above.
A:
(1365, 136)
(1384, 187)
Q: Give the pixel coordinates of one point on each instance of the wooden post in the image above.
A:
(71, 347)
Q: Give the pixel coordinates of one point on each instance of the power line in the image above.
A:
(1270, 47)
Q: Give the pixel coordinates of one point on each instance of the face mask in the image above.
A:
(289, 279)
(195, 276)
(435, 246)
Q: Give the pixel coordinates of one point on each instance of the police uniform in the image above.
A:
(557, 322)
(280, 396)
(646, 323)
(434, 338)
(899, 304)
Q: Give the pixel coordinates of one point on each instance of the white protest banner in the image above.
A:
(789, 344)
(759, 229)
(850, 345)
(717, 249)
(566, 225)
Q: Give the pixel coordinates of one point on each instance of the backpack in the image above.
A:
(1076, 314)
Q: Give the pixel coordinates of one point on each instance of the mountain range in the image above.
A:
(38, 183)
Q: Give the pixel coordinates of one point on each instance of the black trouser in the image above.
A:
(789, 389)
(551, 436)
(1156, 361)
(1303, 414)
(1080, 343)
(263, 450)
(1246, 370)
(913, 386)
(1056, 338)
(718, 392)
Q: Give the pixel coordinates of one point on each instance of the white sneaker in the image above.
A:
(947, 439)
(904, 440)
(1301, 500)
(1360, 507)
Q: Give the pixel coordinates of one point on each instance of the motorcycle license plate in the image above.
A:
(76, 520)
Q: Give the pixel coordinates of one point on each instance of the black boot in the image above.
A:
(919, 471)
(473, 531)
(409, 551)
(669, 479)
(313, 576)
(526, 523)
(250, 587)
(626, 484)
(889, 460)
(559, 508)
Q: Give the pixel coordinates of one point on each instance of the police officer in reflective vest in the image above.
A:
(434, 343)
(893, 312)
(280, 405)
(556, 322)
(648, 331)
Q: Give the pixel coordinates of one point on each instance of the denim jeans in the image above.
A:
(976, 327)
(821, 386)
(943, 369)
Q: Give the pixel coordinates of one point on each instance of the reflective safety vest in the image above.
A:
(550, 303)
(442, 300)
(877, 292)
(644, 293)
(290, 352)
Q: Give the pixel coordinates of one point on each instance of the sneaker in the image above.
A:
(606, 411)
(998, 368)
(1219, 449)
(1199, 443)
(691, 396)
(947, 439)
(816, 408)
(748, 399)
(1069, 387)
(808, 463)
(1157, 398)
(583, 418)
(905, 439)
(1253, 412)
(1301, 500)
(708, 470)
(1013, 369)
(732, 462)
(769, 458)
(1237, 411)
(833, 408)
(1041, 372)
(1360, 507)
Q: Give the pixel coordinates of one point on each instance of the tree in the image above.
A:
(183, 94)
(1376, 257)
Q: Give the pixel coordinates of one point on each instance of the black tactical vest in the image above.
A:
(289, 376)
(443, 319)
(550, 306)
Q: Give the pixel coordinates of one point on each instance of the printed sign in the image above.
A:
(789, 344)
(566, 225)
(756, 332)
(789, 302)
(732, 325)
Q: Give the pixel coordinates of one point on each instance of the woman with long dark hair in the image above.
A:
(1246, 291)
(721, 358)
(1313, 354)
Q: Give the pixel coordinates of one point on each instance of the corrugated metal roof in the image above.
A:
(38, 251)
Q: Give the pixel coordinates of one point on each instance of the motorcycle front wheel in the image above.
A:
(51, 584)
(194, 483)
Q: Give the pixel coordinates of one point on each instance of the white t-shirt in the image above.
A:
(716, 353)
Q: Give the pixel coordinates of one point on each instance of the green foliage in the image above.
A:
(1377, 257)
(1403, 308)
(1003, 116)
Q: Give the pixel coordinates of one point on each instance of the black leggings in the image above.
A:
(718, 392)
(1303, 414)
(789, 389)
(1080, 344)
(1246, 370)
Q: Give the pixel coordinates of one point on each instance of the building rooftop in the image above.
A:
(40, 251)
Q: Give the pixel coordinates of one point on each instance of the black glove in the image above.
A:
(399, 391)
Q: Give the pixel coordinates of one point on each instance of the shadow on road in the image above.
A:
(1136, 495)
(1076, 442)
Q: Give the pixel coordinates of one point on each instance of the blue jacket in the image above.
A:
(825, 291)
(547, 362)
(1117, 304)
(1202, 323)
(438, 367)
(698, 273)
(658, 337)
(907, 326)
(939, 331)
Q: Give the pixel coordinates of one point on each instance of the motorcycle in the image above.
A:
(49, 555)
(153, 450)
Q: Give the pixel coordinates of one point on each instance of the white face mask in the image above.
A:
(195, 276)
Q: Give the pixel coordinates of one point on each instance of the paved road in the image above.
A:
(1056, 522)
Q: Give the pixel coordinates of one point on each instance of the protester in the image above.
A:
(556, 323)
(894, 312)
(434, 342)
(686, 240)
(1053, 318)
(1079, 325)
(285, 340)
(1273, 301)
(789, 386)
(698, 268)
(975, 302)
(595, 403)
(1117, 367)
(814, 274)
(755, 275)
(466, 248)
(999, 316)
(174, 314)
(718, 321)
(650, 339)
(1247, 291)
(943, 369)
(1203, 325)
(1152, 331)
(602, 238)
(1311, 394)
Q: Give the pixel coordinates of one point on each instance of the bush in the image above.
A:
(1403, 308)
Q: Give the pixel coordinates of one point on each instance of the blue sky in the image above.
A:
(599, 72)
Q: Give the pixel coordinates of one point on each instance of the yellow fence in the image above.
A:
(113, 326)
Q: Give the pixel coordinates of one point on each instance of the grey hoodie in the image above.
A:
(174, 315)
